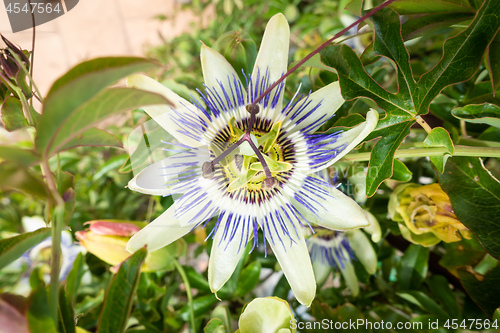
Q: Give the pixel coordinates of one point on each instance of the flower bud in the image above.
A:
(12, 48)
(425, 215)
(267, 314)
(9, 66)
(107, 240)
(239, 50)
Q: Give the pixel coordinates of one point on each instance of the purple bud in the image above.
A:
(9, 66)
(16, 50)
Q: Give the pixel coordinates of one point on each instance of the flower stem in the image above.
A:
(423, 152)
(321, 47)
(188, 292)
(424, 124)
(57, 220)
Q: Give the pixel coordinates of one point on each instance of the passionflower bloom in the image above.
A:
(335, 250)
(425, 215)
(39, 256)
(251, 162)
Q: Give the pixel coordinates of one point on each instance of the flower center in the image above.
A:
(260, 163)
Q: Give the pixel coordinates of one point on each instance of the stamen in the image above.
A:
(208, 170)
(252, 108)
(269, 183)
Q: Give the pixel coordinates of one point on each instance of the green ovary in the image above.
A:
(242, 171)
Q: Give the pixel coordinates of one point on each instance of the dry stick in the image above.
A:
(321, 47)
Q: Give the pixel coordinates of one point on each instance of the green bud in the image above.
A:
(268, 314)
(239, 50)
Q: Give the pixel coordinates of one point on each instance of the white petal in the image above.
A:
(164, 230)
(144, 82)
(273, 52)
(349, 275)
(323, 204)
(165, 116)
(295, 261)
(363, 250)
(216, 69)
(351, 138)
(151, 180)
(321, 271)
(226, 253)
(314, 110)
(374, 228)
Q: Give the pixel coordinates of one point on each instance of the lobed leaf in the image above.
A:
(462, 56)
(475, 196)
(439, 137)
(483, 114)
(483, 289)
(381, 162)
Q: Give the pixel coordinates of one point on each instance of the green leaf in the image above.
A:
(201, 305)
(18, 155)
(442, 292)
(12, 114)
(39, 314)
(82, 117)
(13, 176)
(389, 43)
(355, 82)
(462, 56)
(467, 252)
(93, 137)
(493, 61)
(215, 325)
(342, 314)
(382, 157)
(413, 267)
(239, 49)
(75, 89)
(483, 289)
(120, 294)
(439, 137)
(424, 24)
(475, 196)
(248, 279)
(405, 7)
(74, 278)
(196, 280)
(14, 247)
(112, 164)
(483, 114)
(424, 302)
(401, 172)
(66, 313)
